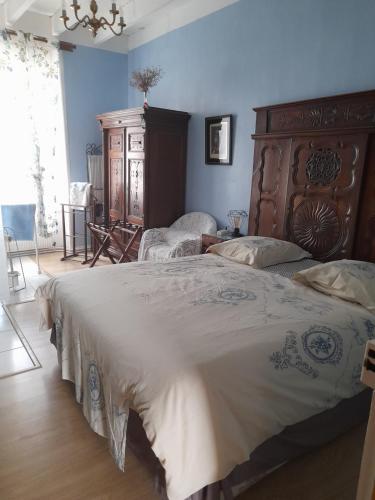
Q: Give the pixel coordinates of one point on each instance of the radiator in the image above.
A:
(44, 245)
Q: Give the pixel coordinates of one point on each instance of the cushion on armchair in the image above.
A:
(196, 222)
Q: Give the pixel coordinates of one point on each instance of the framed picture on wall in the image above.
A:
(219, 140)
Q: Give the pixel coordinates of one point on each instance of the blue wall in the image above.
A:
(95, 81)
(254, 53)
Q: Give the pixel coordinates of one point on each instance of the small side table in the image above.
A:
(209, 240)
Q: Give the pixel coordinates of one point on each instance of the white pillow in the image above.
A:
(351, 280)
(259, 251)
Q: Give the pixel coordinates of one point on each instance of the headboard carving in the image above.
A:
(316, 226)
(323, 166)
(314, 175)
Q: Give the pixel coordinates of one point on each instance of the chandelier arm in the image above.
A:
(85, 21)
(114, 32)
(73, 27)
(76, 8)
(103, 21)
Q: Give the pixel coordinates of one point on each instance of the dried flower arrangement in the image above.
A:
(146, 79)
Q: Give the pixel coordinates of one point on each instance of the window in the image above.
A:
(32, 153)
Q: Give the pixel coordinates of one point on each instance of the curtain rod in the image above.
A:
(68, 47)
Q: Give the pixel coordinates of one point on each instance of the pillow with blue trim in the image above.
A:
(351, 280)
(259, 251)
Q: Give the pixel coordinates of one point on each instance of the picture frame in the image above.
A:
(218, 144)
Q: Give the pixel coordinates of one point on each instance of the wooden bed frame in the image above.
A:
(314, 175)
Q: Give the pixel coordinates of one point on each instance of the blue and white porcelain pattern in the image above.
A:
(94, 385)
(323, 345)
(363, 330)
(59, 336)
(319, 307)
(189, 266)
(370, 328)
(290, 357)
(229, 296)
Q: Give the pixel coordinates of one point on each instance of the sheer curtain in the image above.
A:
(33, 161)
(4, 286)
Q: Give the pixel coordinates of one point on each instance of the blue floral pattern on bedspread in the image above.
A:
(323, 345)
(95, 386)
(290, 357)
(230, 296)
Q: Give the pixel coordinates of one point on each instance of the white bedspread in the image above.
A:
(214, 356)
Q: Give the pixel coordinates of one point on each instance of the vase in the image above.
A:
(145, 100)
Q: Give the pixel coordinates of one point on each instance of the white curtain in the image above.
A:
(32, 154)
(4, 286)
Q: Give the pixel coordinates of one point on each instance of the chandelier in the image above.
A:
(93, 23)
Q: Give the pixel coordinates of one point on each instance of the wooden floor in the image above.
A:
(52, 264)
(48, 451)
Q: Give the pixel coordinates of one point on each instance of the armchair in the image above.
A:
(182, 238)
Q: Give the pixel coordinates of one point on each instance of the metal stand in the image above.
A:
(13, 274)
(73, 209)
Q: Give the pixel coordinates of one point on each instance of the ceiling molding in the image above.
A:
(148, 20)
(134, 12)
(15, 9)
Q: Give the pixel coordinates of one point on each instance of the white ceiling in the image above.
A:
(145, 19)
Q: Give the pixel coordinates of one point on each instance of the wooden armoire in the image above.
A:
(144, 165)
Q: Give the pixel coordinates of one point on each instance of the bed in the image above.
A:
(211, 354)
(214, 372)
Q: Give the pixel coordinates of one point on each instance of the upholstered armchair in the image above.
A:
(182, 238)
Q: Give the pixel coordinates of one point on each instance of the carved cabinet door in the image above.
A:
(269, 185)
(135, 172)
(324, 185)
(116, 201)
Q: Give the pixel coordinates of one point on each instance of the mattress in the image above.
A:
(216, 358)
(287, 269)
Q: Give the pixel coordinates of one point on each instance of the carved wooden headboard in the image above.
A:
(314, 175)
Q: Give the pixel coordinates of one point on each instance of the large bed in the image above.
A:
(214, 372)
(213, 356)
